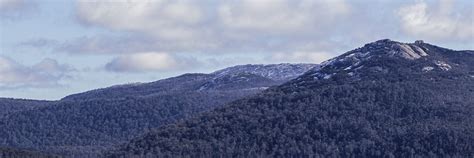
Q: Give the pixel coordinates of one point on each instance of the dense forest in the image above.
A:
(386, 99)
(87, 123)
(21, 153)
(10, 106)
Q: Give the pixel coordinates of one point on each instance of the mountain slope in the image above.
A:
(380, 100)
(255, 75)
(276, 72)
(92, 121)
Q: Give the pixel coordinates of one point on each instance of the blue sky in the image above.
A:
(51, 48)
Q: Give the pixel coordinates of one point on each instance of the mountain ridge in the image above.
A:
(392, 109)
(286, 71)
(348, 64)
(262, 70)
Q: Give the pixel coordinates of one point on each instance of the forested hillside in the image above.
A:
(386, 99)
(17, 153)
(9, 105)
(87, 123)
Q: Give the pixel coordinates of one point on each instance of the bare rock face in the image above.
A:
(409, 51)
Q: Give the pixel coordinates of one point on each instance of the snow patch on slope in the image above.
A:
(427, 69)
(321, 76)
(277, 72)
(443, 65)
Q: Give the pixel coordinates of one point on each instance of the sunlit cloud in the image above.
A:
(443, 21)
(150, 61)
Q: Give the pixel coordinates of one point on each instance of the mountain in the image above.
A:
(385, 99)
(89, 122)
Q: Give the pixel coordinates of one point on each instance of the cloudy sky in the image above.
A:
(51, 48)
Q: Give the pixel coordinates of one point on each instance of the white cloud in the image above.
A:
(209, 26)
(149, 61)
(168, 19)
(48, 72)
(184, 19)
(281, 16)
(262, 15)
(442, 22)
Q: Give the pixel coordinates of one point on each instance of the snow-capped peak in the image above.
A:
(355, 60)
(276, 72)
(380, 48)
